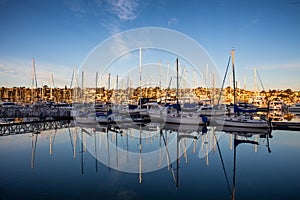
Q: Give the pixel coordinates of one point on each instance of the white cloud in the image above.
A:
(112, 27)
(111, 13)
(124, 9)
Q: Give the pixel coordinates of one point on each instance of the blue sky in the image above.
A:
(60, 34)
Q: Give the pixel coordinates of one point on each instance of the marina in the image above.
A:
(149, 100)
(147, 148)
(89, 109)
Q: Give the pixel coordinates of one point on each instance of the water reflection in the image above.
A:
(155, 149)
(241, 136)
(120, 148)
(143, 148)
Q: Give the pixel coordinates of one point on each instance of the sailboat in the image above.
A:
(172, 113)
(240, 120)
(139, 114)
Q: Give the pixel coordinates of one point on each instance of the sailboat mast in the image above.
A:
(51, 86)
(34, 71)
(74, 84)
(34, 82)
(96, 81)
(255, 82)
(244, 89)
(140, 77)
(117, 89)
(108, 82)
(160, 74)
(233, 74)
(82, 79)
(96, 97)
(177, 81)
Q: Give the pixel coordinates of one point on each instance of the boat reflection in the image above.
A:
(143, 148)
(241, 136)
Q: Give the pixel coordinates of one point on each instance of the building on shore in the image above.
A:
(23, 95)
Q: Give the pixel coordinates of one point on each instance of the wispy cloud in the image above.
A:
(121, 11)
(254, 21)
(119, 46)
(112, 14)
(78, 7)
(124, 9)
(172, 21)
(251, 23)
(112, 28)
(222, 3)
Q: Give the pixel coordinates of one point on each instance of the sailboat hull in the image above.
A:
(240, 122)
(183, 119)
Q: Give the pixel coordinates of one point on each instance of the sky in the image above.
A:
(60, 34)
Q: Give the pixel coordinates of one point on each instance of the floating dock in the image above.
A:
(286, 125)
(33, 126)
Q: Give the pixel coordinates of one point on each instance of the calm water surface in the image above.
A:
(58, 165)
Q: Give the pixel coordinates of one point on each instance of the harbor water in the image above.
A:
(61, 164)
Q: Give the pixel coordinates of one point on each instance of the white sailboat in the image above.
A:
(243, 120)
(173, 114)
(208, 110)
(184, 118)
(139, 114)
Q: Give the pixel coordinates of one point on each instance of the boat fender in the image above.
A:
(204, 119)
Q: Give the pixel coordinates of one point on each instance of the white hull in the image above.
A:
(184, 119)
(174, 118)
(208, 110)
(212, 112)
(241, 122)
(157, 116)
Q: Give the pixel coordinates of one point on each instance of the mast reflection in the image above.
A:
(239, 138)
(148, 138)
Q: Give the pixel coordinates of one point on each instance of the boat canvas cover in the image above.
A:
(242, 110)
